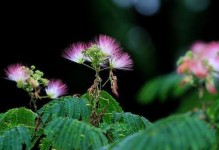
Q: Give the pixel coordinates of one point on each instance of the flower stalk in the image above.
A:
(102, 54)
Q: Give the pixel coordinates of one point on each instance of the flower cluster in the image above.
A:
(202, 63)
(101, 54)
(104, 52)
(32, 81)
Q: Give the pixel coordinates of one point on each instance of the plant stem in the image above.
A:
(200, 94)
(105, 82)
(87, 66)
(94, 93)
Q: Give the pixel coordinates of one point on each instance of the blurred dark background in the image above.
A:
(154, 32)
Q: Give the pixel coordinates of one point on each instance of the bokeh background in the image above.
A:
(154, 32)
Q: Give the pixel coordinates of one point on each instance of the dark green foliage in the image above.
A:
(217, 141)
(162, 87)
(71, 107)
(17, 116)
(15, 138)
(66, 125)
(191, 100)
(1, 115)
(45, 144)
(16, 129)
(134, 122)
(213, 112)
(124, 124)
(69, 134)
(213, 117)
(180, 132)
(107, 105)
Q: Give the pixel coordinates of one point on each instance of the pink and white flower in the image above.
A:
(194, 66)
(56, 88)
(74, 52)
(198, 47)
(203, 63)
(121, 61)
(108, 45)
(208, 52)
(17, 73)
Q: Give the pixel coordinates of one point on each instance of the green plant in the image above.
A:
(95, 120)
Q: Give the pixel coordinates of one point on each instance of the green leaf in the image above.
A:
(71, 107)
(1, 115)
(16, 138)
(191, 100)
(161, 88)
(124, 124)
(17, 116)
(217, 134)
(213, 112)
(45, 144)
(68, 134)
(180, 132)
(107, 104)
(134, 122)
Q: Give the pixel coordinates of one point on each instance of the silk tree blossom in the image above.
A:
(56, 88)
(121, 61)
(202, 62)
(193, 66)
(108, 45)
(88, 46)
(208, 52)
(17, 73)
(204, 59)
(103, 52)
(74, 53)
(198, 47)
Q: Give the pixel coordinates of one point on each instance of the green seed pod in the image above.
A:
(32, 67)
(20, 84)
(35, 76)
(44, 81)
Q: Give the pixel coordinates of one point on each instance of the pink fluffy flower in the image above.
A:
(74, 52)
(198, 47)
(17, 73)
(194, 66)
(108, 45)
(121, 61)
(202, 63)
(212, 55)
(208, 52)
(55, 88)
(198, 68)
